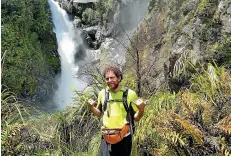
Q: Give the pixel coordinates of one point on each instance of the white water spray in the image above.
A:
(65, 34)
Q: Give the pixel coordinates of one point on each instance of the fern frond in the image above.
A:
(163, 101)
(225, 125)
(190, 129)
(175, 138)
(207, 112)
(189, 102)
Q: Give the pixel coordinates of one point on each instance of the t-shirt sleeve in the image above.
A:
(133, 97)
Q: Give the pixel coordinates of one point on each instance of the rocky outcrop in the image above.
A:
(76, 7)
(176, 31)
(105, 18)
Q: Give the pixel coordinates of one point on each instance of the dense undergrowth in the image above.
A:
(194, 121)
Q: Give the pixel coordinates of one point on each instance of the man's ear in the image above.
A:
(120, 78)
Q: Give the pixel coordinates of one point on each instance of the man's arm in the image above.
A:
(93, 109)
(138, 115)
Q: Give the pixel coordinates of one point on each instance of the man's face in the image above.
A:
(111, 80)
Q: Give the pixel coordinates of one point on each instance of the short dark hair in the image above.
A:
(114, 69)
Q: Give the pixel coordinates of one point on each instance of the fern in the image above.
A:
(190, 129)
(225, 125)
(175, 138)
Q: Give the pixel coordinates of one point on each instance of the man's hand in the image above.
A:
(140, 103)
(91, 102)
(94, 110)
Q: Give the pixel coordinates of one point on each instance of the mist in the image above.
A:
(129, 18)
(132, 14)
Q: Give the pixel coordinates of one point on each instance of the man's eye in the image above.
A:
(112, 78)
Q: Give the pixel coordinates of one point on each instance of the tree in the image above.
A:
(29, 47)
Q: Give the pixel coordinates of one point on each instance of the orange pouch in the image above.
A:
(113, 136)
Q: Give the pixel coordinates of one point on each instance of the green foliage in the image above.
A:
(77, 130)
(28, 45)
(223, 52)
(173, 124)
(91, 17)
(14, 120)
(179, 124)
(104, 8)
(105, 5)
(206, 8)
(129, 80)
(71, 132)
(195, 120)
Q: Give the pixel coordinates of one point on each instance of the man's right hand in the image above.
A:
(94, 110)
(91, 102)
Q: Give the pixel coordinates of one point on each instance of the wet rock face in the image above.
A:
(76, 8)
(112, 17)
(66, 5)
(224, 11)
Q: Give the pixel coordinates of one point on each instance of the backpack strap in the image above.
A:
(129, 110)
(124, 99)
(106, 97)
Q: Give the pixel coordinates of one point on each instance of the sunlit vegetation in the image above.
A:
(103, 9)
(194, 120)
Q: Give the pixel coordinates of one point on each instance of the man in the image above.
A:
(115, 116)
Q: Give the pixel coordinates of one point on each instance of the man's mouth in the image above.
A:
(111, 85)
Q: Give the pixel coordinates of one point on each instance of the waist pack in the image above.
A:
(113, 136)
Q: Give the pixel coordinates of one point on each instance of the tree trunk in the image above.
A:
(138, 74)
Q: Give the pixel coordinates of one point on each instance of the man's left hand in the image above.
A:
(140, 103)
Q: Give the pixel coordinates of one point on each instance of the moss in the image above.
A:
(206, 8)
(223, 52)
(152, 4)
(185, 21)
(202, 6)
(91, 17)
(184, 7)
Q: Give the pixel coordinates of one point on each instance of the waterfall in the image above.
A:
(67, 47)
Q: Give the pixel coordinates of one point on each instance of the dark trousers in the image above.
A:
(122, 148)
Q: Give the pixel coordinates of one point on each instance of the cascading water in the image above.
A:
(67, 45)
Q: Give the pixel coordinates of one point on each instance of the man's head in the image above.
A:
(112, 76)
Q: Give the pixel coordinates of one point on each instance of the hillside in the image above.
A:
(29, 50)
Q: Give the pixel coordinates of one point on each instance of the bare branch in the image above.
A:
(126, 49)
(135, 48)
